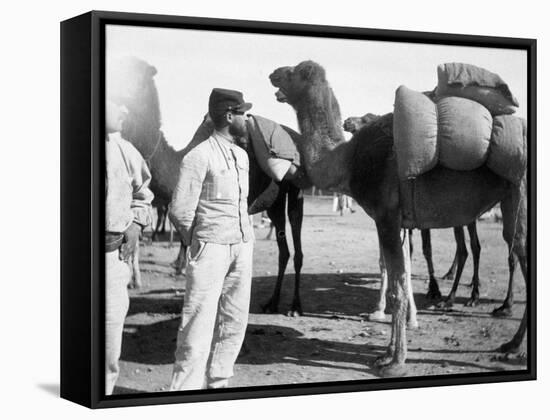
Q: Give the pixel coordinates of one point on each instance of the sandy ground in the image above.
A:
(332, 341)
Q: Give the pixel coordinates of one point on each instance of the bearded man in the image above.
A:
(209, 210)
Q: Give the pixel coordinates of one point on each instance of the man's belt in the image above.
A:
(113, 241)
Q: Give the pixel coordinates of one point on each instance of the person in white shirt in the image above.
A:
(127, 208)
(209, 209)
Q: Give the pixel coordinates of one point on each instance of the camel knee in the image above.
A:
(284, 255)
(298, 261)
(462, 255)
(397, 298)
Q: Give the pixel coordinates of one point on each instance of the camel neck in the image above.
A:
(324, 147)
(163, 162)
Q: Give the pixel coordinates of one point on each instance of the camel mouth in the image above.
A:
(349, 126)
(281, 97)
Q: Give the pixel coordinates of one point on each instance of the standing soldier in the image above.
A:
(209, 210)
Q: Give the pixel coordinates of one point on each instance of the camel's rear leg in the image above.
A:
(462, 255)
(513, 345)
(433, 287)
(514, 224)
(505, 310)
(475, 247)
(277, 215)
(295, 217)
(160, 227)
(450, 274)
(412, 322)
(181, 260)
(135, 282)
(379, 314)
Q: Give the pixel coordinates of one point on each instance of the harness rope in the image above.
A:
(148, 159)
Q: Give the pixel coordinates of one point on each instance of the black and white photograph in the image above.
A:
(286, 210)
(275, 210)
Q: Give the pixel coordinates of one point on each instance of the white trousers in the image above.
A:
(214, 315)
(117, 277)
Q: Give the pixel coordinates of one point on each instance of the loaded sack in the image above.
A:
(457, 132)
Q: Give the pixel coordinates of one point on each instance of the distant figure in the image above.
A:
(342, 202)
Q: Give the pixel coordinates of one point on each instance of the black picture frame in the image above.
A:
(83, 214)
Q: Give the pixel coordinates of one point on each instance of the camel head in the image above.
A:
(296, 83)
(129, 82)
(354, 124)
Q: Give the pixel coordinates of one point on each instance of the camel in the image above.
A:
(137, 90)
(353, 125)
(162, 211)
(366, 168)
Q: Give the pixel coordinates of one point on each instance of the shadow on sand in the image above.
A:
(324, 295)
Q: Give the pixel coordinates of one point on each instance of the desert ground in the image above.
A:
(332, 341)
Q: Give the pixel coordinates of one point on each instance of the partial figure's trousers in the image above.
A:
(117, 277)
(214, 315)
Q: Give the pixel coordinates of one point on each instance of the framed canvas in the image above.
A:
(338, 152)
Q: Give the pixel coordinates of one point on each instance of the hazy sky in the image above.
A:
(363, 74)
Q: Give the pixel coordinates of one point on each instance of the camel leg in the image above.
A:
(433, 287)
(277, 215)
(295, 217)
(513, 345)
(164, 214)
(451, 272)
(161, 218)
(181, 260)
(505, 310)
(412, 322)
(475, 247)
(394, 258)
(271, 228)
(411, 248)
(379, 314)
(462, 255)
(514, 224)
(135, 283)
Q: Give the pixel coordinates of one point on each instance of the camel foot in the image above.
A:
(271, 307)
(383, 361)
(445, 305)
(472, 302)
(179, 268)
(502, 312)
(393, 370)
(412, 324)
(377, 316)
(510, 347)
(433, 295)
(448, 276)
(134, 285)
(295, 310)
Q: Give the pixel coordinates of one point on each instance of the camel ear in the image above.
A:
(306, 70)
(152, 71)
